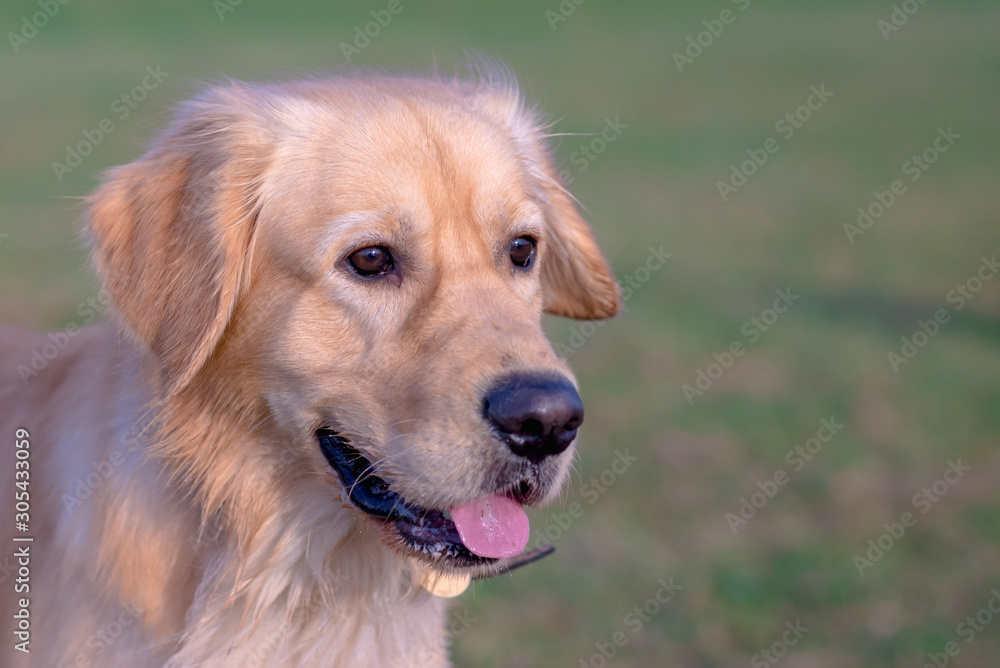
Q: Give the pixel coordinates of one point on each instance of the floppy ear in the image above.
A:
(576, 279)
(170, 233)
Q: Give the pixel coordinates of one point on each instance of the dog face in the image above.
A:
(366, 261)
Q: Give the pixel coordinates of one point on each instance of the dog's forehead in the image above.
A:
(446, 155)
(425, 166)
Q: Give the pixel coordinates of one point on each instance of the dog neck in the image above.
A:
(306, 589)
(276, 572)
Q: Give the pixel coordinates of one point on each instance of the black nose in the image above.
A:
(536, 415)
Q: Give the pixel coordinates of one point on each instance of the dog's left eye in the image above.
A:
(371, 261)
(522, 251)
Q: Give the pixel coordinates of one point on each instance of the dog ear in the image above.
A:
(576, 279)
(170, 233)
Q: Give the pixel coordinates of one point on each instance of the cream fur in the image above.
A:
(220, 536)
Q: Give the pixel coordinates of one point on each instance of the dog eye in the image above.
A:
(522, 251)
(371, 261)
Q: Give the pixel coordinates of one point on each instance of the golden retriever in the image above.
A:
(324, 394)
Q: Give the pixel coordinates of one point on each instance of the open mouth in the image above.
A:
(477, 534)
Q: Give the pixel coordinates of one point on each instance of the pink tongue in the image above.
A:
(494, 527)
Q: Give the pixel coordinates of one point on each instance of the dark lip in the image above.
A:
(423, 530)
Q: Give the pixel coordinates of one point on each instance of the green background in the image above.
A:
(664, 516)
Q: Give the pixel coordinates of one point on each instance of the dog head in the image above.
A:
(362, 264)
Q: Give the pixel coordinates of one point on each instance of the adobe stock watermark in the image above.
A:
(769, 656)
(85, 486)
(967, 630)
(98, 642)
(214, 527)
(562, 12)
(265, 647)
(696, 44)
(751, 330)
(914, 168)
(208, 533)
(923, 500)
(31, 25)
(899, 16)
(786, 126)
(363, 35)
(558, 523)
(458, 624)
(7, 568)
(133, 439)
(122, 106)
(926, 330)
(632, 623)
(89, 311)
(796, 458)
(632, 283)
(223, 7)
(587, 153)
(260, 655)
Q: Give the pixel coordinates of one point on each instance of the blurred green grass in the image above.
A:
(656, 185)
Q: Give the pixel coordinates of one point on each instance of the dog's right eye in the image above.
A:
(522, 251)
(371, 261)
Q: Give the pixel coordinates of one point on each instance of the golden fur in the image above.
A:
(219, 535)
